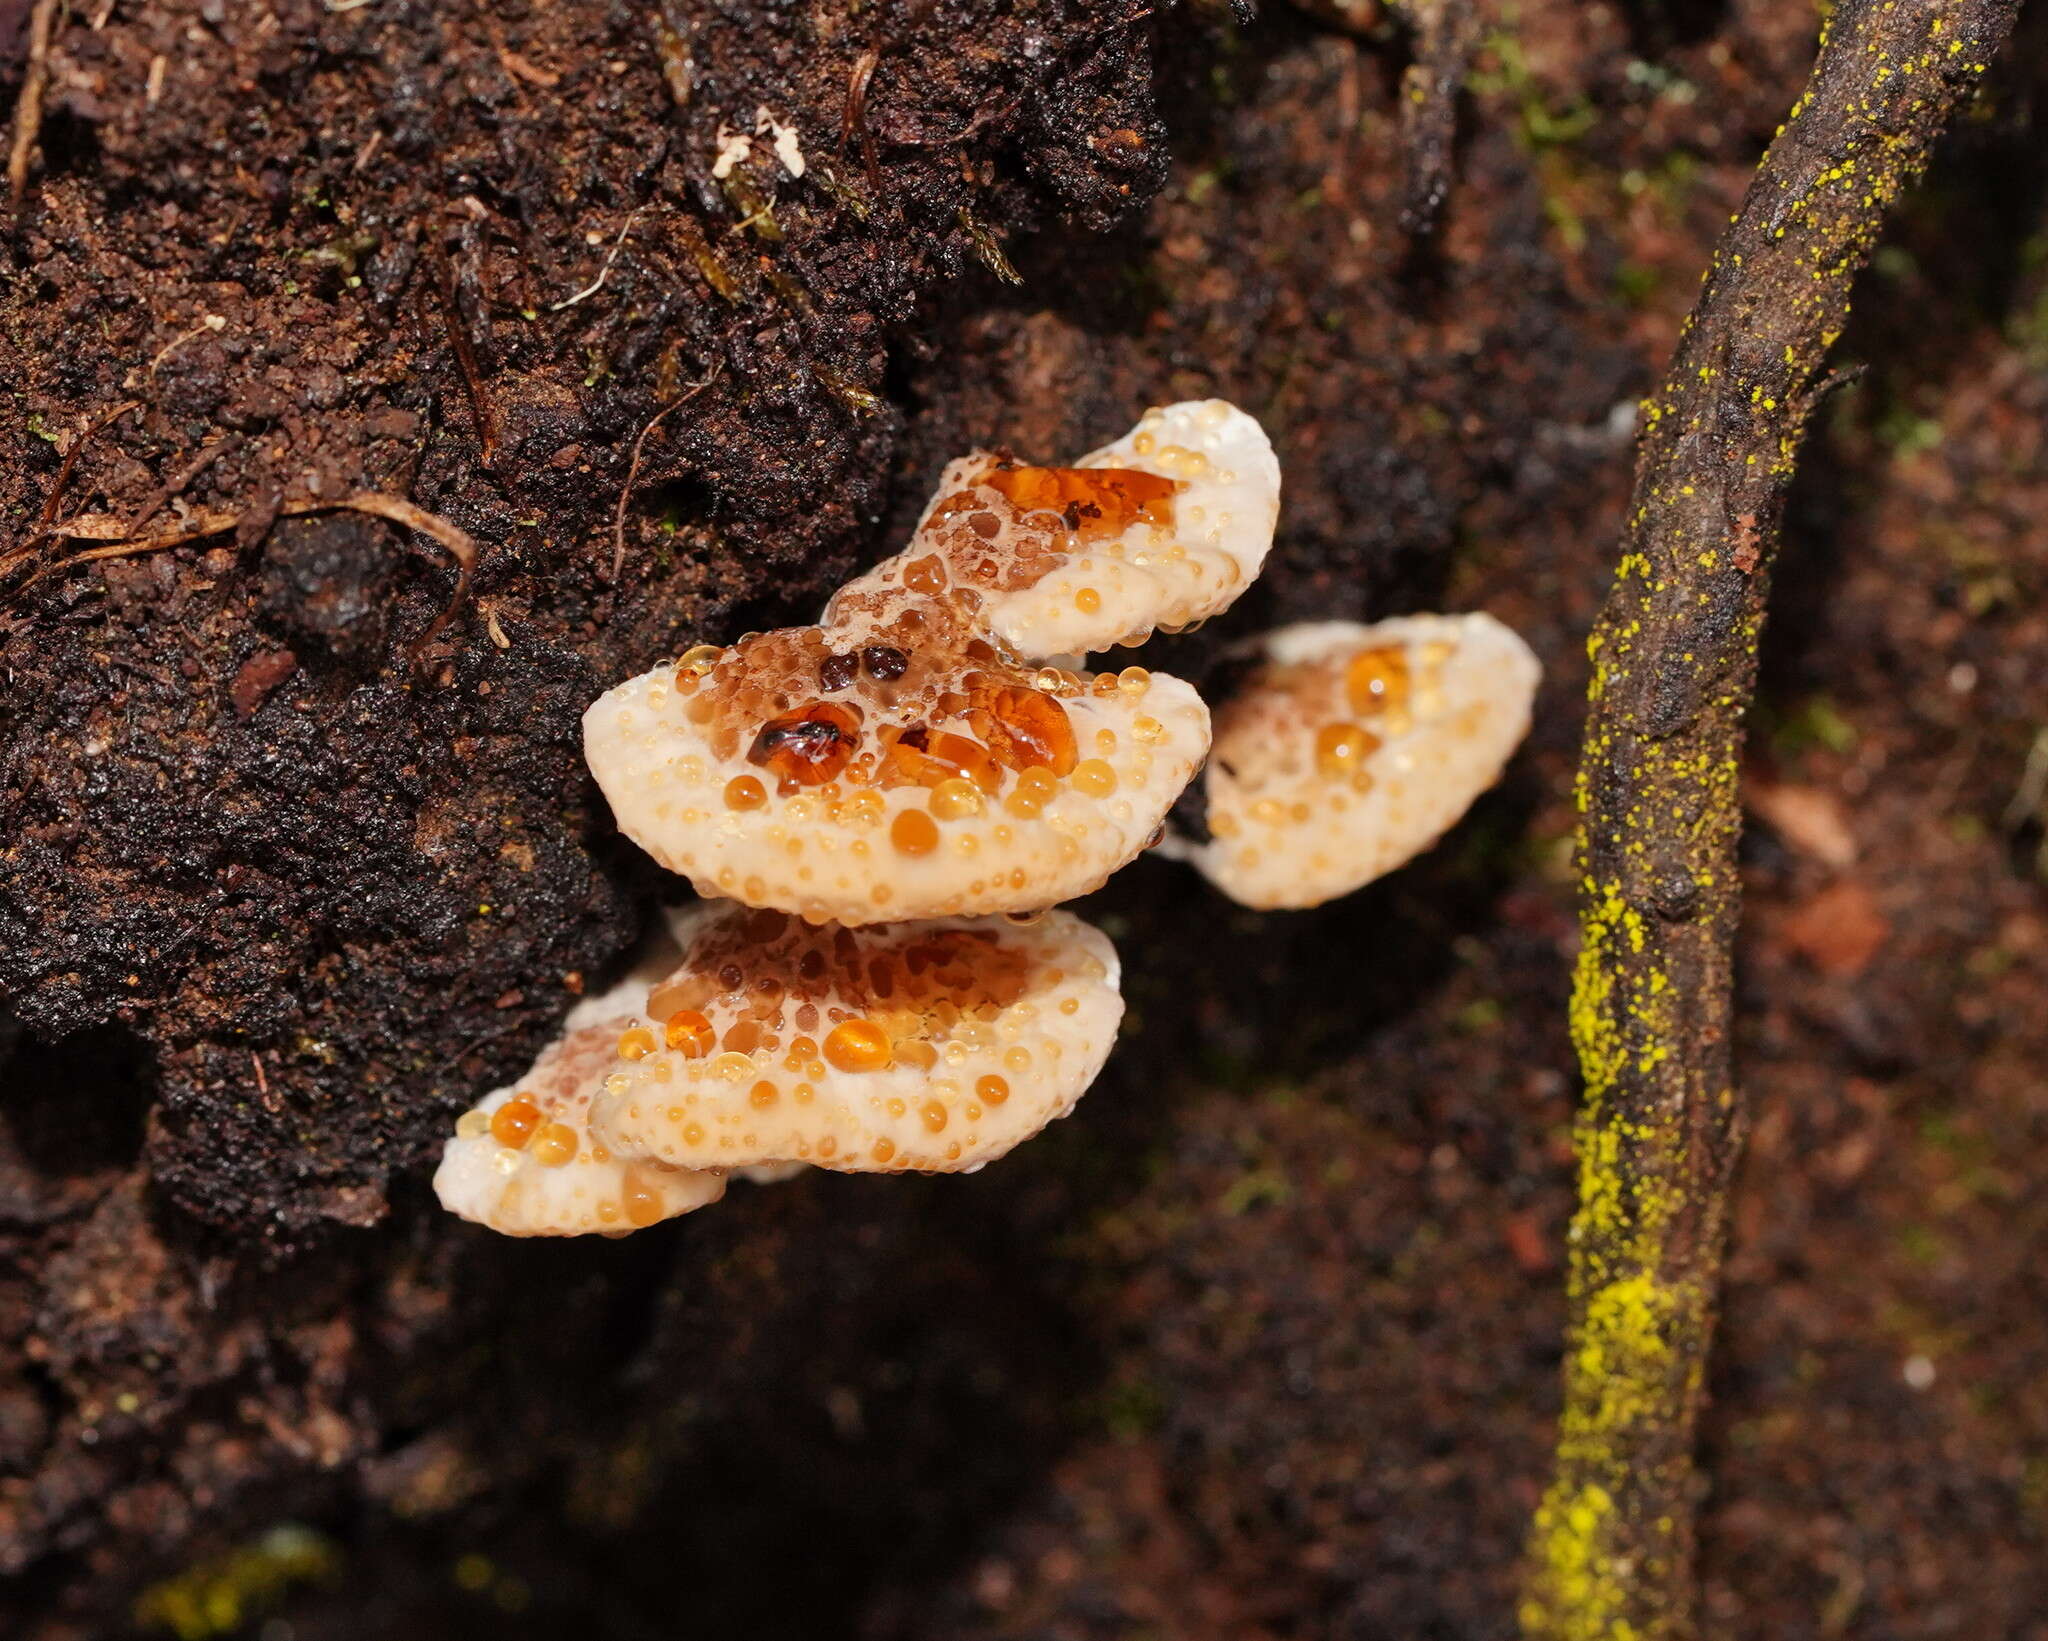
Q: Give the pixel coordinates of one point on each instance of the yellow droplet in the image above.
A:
(1341, 750)
(913, 832)
(857, 1045)
(513, 1123)
(955, 799)
(1093, 778)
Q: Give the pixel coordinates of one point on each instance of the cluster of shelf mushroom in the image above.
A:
(882, 811)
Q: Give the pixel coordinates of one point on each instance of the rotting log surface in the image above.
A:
(1674, 661)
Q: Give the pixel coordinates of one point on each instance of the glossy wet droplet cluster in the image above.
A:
(907, 756)
(933, 1046)
(1353, 748)
(858, 795)
(523, 1161)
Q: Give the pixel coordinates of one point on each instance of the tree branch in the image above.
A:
(1674, 655)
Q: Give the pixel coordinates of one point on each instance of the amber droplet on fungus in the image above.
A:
(689, 1034)
(1093, 502)
(913, 832)
(1377, 679)
(857, 1045)
(744, 792)
(642, 1203)
(955, 799)
(1028, 729)
(554, 1145)
(513, 1123)
(808, 746)
(1341, 750)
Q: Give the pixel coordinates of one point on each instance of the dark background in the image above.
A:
(1263, 1341)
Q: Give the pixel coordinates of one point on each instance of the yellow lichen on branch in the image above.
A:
(1674, 662)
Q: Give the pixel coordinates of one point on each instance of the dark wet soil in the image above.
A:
(1263, 1341)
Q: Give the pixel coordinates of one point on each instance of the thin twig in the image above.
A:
(71, 454)
(465, 360)
(605, 272)
(458, 543)
(28, 108)
(1674, 656)
(633, 473)
(212, 322)
(853, 119)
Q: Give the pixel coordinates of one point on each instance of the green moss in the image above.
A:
(219, 1596)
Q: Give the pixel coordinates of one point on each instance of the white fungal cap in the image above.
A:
(1161, 529)
(1352, 749)
(934, 1046)
(891, 764)
(523, 1162)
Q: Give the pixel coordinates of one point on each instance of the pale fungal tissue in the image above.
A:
(913, 755)
(1350, 749)
(934, 1046)
(524, 1162)
(772, 1045)
(880, 810)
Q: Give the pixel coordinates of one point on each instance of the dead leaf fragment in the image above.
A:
(1839, 930)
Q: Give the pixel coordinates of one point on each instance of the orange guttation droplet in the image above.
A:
(744, 792)
(1025, 729)
(925, 575)
(913, 832)
(857, 1045)
(513, 1123)
(919, 756)
(992, 1089)
(1376, 680)
(1341, 750)
(810, 745)
(690, 1034)
(554, 1145)
(641, 1201)
(1093, 502)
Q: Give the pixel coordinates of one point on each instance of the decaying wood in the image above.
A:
(1674, 655)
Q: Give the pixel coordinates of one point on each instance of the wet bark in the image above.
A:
(1674, 655)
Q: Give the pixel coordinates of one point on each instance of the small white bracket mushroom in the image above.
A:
(933, 1046)
(905, 758)
(524, 1162)
(1350, 749)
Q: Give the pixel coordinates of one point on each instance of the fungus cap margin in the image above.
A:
(935, 1046)
(1353, 748)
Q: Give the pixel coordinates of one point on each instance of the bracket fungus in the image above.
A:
(1349, 749)
(934, 1046)
(908, 756)
(524, 1162)
(858, 800)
